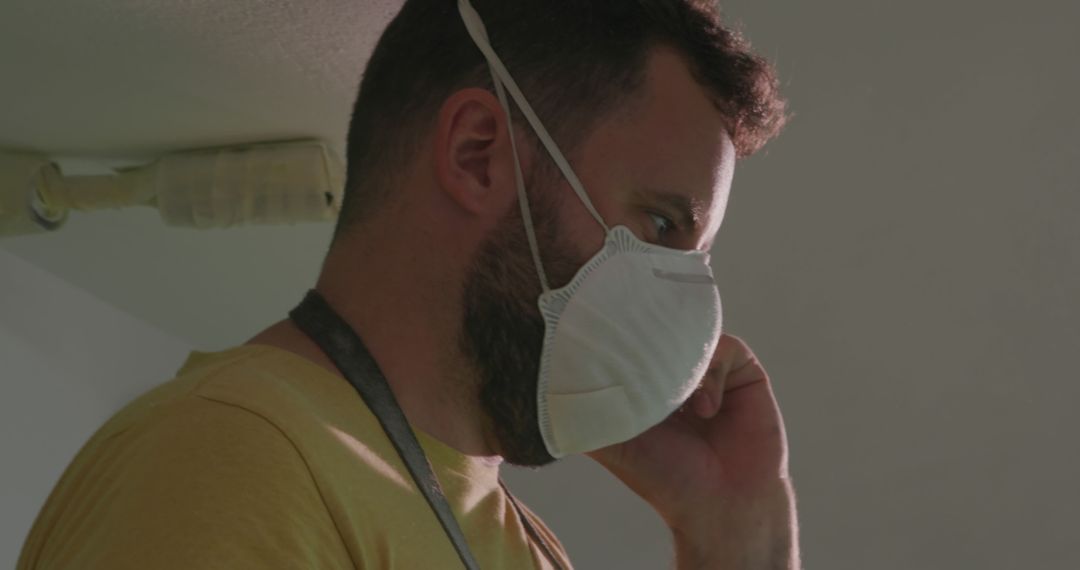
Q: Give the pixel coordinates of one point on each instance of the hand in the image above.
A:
(725, 448)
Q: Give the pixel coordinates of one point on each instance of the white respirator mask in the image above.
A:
(627, 341)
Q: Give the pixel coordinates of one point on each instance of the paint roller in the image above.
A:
(281, 182)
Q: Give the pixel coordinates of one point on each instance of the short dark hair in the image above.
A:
(577, 61)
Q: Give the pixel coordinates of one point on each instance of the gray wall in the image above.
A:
(905, 260)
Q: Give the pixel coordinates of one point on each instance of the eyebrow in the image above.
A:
(688, 210)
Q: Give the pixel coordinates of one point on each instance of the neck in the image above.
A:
(410, 323)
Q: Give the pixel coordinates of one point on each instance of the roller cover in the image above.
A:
(266, 183)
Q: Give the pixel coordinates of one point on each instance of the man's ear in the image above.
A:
(472, 154)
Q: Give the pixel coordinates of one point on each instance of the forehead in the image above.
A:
(671, 139)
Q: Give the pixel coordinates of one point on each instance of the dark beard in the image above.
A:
(502, 330)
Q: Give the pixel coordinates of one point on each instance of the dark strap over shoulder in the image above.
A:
(317, 319)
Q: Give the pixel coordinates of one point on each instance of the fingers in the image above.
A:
(737, 363)
(750, 372)
(733, 366)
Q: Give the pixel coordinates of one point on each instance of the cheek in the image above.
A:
(576, 228)
(571, 238)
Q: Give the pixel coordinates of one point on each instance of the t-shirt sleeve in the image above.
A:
(203, 484)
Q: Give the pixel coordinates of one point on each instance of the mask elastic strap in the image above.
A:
(526, 213)
(476, 29)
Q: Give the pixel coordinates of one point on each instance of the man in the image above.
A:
(469, 213)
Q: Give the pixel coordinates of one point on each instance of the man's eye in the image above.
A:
(663, 224)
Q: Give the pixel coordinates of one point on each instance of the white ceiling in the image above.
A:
(108, 83)
(125, 77)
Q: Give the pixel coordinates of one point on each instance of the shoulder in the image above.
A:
(548, 535)
(192, 484)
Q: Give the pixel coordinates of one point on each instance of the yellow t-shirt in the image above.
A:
(254, 457)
